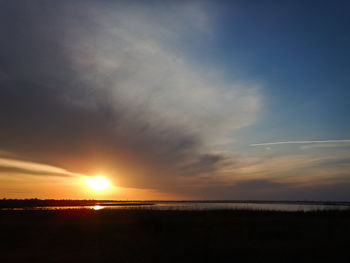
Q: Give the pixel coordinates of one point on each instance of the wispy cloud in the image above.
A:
(11, 165)
(299, 142)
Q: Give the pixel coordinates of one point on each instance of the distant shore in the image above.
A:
(31, 203)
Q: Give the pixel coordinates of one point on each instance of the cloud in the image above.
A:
(300, 142)
(90, 87)
(276, 175)
(20, 166)
(269, 190)
(262, 189)
(104, 87)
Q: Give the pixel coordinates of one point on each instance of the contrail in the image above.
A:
(299, 142)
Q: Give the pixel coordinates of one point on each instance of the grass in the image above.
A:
(140, 235)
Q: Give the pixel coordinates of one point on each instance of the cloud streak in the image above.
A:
(20, 166)
(299, 142)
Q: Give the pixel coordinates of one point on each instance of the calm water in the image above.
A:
(299, 206)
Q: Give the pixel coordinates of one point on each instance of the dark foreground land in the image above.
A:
(173, 236)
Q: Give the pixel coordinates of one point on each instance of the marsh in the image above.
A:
(133, 235)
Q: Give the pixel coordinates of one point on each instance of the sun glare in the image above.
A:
(98, 183)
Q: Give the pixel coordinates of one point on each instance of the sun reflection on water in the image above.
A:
(97, 207)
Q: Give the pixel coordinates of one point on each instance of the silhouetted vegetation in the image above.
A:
(139, 235)
(30, 203)
(34, 202)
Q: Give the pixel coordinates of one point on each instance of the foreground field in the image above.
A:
(173, 236)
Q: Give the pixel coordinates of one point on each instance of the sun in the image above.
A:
(98, 183)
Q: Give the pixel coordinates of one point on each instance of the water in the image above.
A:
(202, 205)
(253, 206)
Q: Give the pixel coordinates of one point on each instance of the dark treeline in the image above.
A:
(23, 203)
(34, 202)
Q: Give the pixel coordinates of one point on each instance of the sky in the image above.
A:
(175, 99)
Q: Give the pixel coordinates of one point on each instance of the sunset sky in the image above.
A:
(175, 99)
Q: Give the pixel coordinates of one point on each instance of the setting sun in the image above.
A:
(98, 183)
